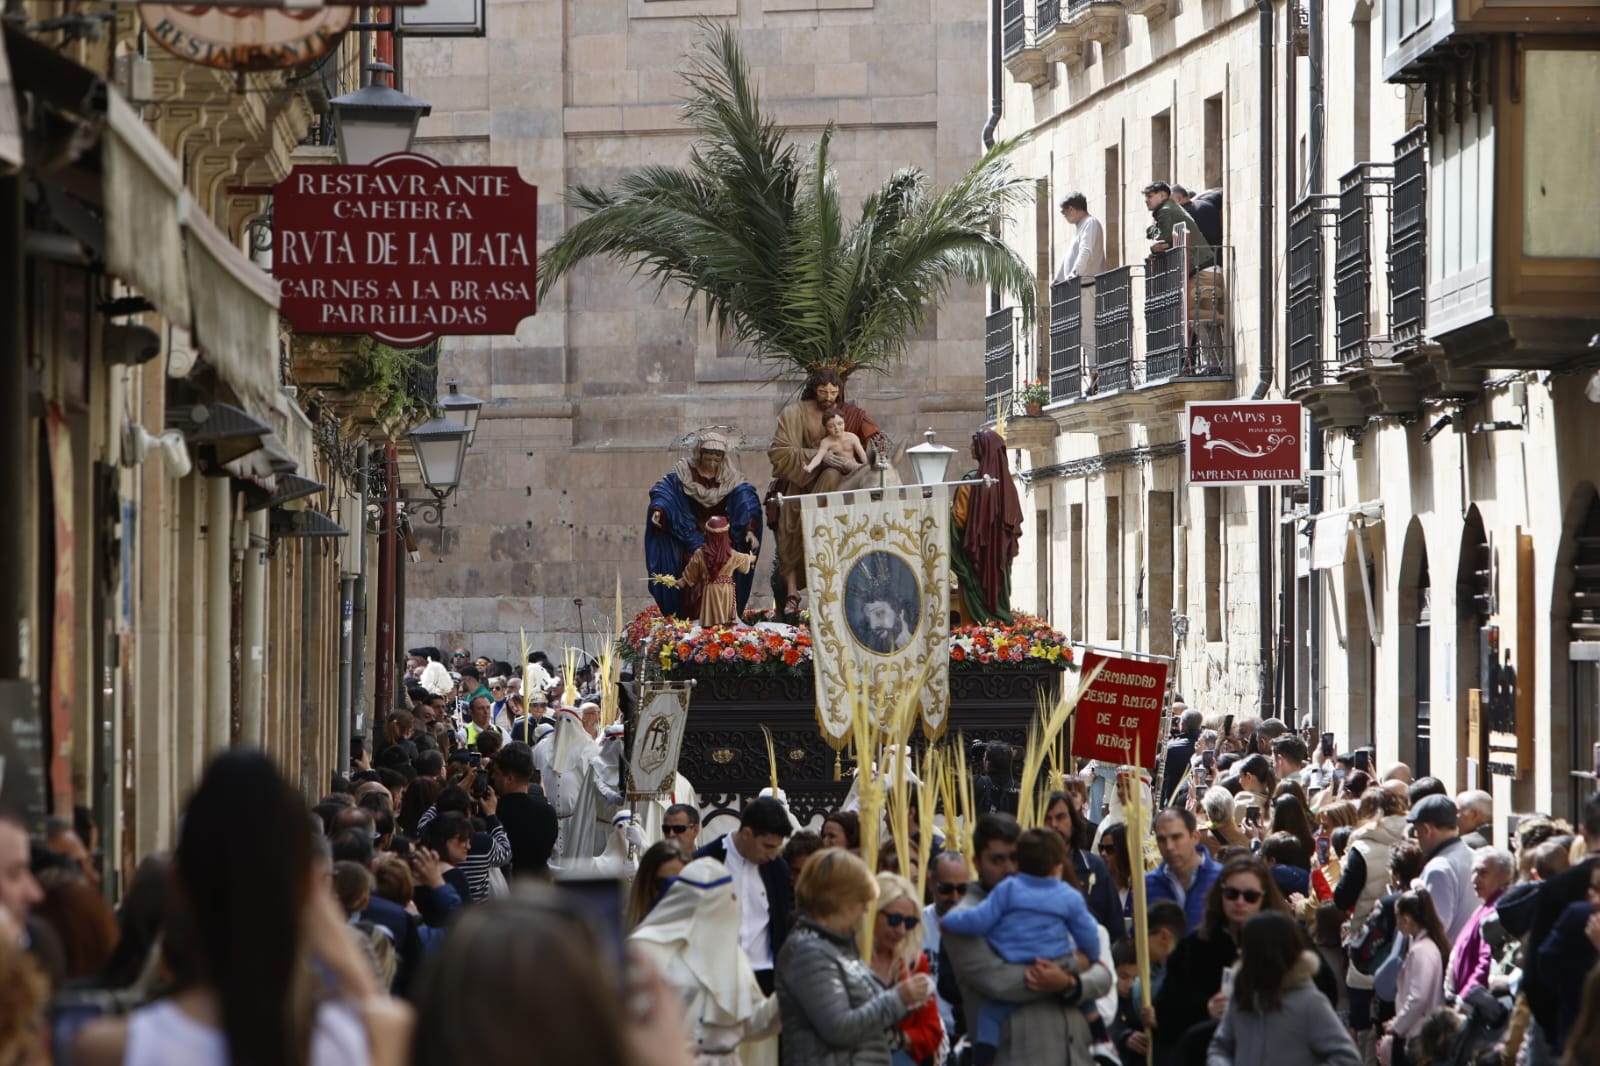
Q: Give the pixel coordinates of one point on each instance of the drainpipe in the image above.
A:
(358, 635)
(308, 612)
(1266, 517)
(219, 599)
(15, 426)
(1316, 498)
(383, 682)
(252, 670)
(996, 84)
(347, 586)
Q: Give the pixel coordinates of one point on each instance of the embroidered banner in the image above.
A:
(879, 575)
(663, 713)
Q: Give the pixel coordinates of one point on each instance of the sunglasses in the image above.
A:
(674, 830)
(897, 920)
(945, 888)
(1233, 895)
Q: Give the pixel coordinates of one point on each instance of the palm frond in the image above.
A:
(754, 229)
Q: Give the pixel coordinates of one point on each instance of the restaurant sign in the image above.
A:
(405, 249)
(247, 38)
(1244, 442)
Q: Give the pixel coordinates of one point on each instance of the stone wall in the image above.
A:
(588, 400)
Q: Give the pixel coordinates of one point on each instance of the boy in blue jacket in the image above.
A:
(1031, 915)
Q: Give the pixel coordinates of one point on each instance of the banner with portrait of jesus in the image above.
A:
(878, 571)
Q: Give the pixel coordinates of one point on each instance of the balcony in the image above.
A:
(1424, 39)
(1110, 369)
(1019, 42)
(1096, 20)
(1314, 373)
(1365, 349)
(1002, 331)
(1147, 9)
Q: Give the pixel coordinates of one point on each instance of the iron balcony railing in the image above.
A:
(1066, 340)
(1306, 282)
(1013, 26)
(1047, 15)
(421, 376)
(1408, 238)
(1186, 334)
(1000, 333)
(1186, 315)
(1363, 209)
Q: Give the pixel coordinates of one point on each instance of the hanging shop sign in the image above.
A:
(1119, 715)
(1244, 442)
(405, 249)
(247, 38)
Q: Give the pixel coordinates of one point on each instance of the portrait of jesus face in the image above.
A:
(882, 602)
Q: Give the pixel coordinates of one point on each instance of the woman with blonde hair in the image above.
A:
(896, 955)
(835, 1010)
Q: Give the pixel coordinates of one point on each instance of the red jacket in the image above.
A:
(921, 1031)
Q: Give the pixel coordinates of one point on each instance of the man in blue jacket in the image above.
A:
(1187, 870)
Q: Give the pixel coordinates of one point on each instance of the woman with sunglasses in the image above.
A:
(1113, 850)
(1190, 1001)
(1275, 1013)
(897, 954)
(661, 862)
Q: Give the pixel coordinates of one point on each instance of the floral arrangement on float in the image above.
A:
(766, 644)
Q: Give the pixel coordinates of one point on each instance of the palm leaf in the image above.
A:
(753, 229)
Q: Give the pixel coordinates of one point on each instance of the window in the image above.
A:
(1212, 572)
(1159, 530)
(1079, 566)
(1161, 146)
(1215, 136)
(1113, 202)
(1361, 111)
(1113, 568)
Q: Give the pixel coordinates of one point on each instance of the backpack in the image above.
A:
(1371, 945)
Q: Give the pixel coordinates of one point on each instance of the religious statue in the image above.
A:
(985, 527)
(796, 471)
(710, 574)
(704, 485)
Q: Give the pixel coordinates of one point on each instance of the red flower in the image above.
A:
(791, 656)
(684, 651)
(958, 653)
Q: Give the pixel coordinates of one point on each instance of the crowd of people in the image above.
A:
(1301, 905)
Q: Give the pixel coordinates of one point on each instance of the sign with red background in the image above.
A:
(405, 249)
(1244, 442)
(1119, 715)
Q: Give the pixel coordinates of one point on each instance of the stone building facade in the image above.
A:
(587, 403)
(1435, 321)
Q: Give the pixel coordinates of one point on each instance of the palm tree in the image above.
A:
(754, 228)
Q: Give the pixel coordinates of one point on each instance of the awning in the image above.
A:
(143, 190)
(1328, 535)
(235, 305)
(10, 124)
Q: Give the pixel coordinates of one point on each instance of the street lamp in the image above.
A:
(463, 410)
(929, 461)
(441, 448)
(376, 121)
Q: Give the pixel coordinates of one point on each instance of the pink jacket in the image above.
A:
(1420, 989)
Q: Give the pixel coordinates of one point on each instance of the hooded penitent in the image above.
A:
(693, 921)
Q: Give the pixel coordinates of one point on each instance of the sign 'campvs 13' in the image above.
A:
(405, 249)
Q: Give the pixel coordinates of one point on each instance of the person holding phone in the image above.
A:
(1274, 1011)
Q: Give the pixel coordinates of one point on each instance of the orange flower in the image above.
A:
(958, 653)
(791, 656)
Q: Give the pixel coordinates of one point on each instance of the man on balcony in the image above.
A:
(1085, 258)
(1206, 208)
(1206, 294)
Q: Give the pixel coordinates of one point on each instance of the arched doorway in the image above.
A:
(1475, 645)
(1414, 653)
(1579, 569)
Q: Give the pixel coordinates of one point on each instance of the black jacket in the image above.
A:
(1180, 750)
(530, 822)
(779, 885)
(1568, 886)
(1207, 211)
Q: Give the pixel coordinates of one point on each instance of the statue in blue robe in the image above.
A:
(698, 487)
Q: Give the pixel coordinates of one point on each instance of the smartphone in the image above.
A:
(1327, 745)
(1360, 761)
(1252, 815)
(600, 901)
(1227, 980)
(1208, 759)
(474, 758)
(1323, 846)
